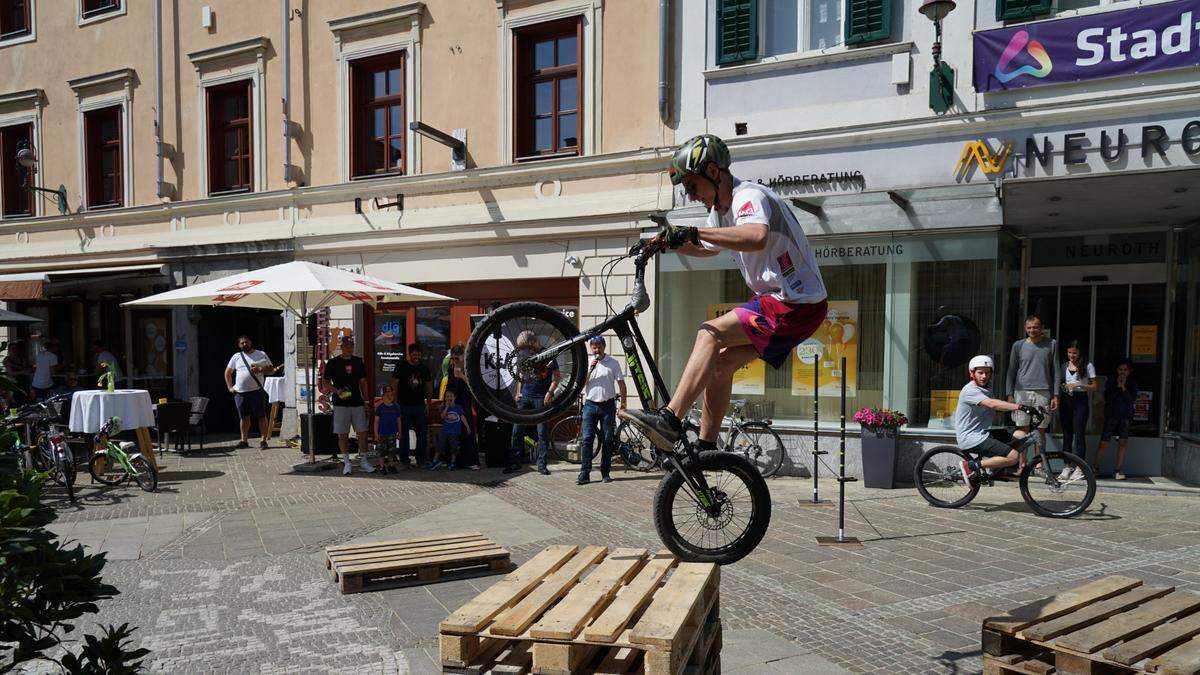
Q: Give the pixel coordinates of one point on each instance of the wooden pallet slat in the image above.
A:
(613, 620)
(1130, 624)
(1156, 641)
(1094, 613)
(477, 613)
(1060, 604)
(1182, 660)
(402, 542)
(375, 565)
(349, 558)
(516, 619)
(673, 604)
(589, 597)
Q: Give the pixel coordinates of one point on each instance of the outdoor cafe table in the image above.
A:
(276, 395)
(91, 409)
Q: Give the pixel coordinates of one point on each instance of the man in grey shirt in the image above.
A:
(1033, 374)
(974, 416)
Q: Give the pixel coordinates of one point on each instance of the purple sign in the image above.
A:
(1108, 44)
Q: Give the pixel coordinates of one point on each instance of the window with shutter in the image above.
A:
(1009, 10)
(737, 31)
(868, 20)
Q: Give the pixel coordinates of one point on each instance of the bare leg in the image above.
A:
(1100, 454)
(245, 429)
(720, 382)
(264, 425)
(344, 445)
(722, 332)
(362, 447)
(994, 463)
(1122, 446)
(1023, 431)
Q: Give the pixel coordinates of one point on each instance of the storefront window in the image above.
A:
(433, 332)
(1185, 412)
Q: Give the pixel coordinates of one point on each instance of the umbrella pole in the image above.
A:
(312, 368)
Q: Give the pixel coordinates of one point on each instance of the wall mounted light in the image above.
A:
(941, 78)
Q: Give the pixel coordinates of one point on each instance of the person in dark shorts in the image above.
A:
(1120, 393)
(244, 377)
(974, 416)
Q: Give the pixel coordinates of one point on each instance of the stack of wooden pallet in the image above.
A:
(1111, 625)
(388, 564)
(572, 610)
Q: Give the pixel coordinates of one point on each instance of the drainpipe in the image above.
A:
(287, 94)
(664, 30)
(159, 191)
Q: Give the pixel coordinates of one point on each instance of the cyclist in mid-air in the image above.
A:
(974, 416)
(756, 225)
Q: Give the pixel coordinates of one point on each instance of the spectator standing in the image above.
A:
(103, 356)
(600, 401)
(457, 382)
(1120, 393)
(387, 427)
(244, 379)
(45, 367)
(70, 385)
(345, 380)
(414, 387)
(1079, 380)
(533, 395)
(1033, 375)
(16, 370)
(454, 425)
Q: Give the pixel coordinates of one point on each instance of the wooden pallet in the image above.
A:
(1110, 625)
(572, 609)
(388, 564)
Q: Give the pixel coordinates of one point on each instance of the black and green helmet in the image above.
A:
(691, 157)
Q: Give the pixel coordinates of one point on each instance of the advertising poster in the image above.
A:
(1141, 407)
(837, 337)
(389, 345)
(942, 403)
(152, 347)
(1144, 344)
(752, 377)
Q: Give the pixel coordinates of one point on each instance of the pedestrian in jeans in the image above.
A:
(454, 425)
(387, 426)
(600, 409)
(414, 387)
(456, 381)
(345, 380)
(1033, 375)
(1120, 393)
(533, 395)
(1079, 380)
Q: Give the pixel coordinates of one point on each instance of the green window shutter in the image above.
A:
(1008, 10)
(737, 31)
(868, 21)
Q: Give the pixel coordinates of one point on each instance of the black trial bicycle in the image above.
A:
(711, 506)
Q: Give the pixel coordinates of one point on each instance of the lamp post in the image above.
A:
(27, 160)
(941, 78)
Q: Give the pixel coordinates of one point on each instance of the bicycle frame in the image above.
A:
(114, 451)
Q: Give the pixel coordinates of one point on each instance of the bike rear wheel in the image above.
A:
(106, 470)
(688, 529)
(760, 444)
(939, 478)
(565, 433)
(495, 364)
(1057, 492)
(146, 476)
(635, 449)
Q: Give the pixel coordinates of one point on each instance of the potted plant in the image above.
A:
(879, 431)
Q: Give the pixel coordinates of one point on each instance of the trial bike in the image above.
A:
(45, 448)
(111, 464)
(710, 506)
(1053, 484)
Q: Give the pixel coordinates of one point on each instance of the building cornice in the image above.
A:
(124, 76)
(257, 46)
(29, 97)
(412, 10)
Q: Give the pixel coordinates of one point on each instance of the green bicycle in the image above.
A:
(112, 465)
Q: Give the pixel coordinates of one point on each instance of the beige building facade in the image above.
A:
(285, 132)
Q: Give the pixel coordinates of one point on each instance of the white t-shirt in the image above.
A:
(1081, 377)
(243, 380)
(786, 268)
(601, 384)
(972, 420)
(43, 372)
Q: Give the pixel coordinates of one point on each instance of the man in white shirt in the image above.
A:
(600, 400)
(244, 378)
(105, 359)
(46, 366)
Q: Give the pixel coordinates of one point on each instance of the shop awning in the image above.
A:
(32, 285)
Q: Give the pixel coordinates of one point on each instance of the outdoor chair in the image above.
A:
(196, 420)
(173, 418)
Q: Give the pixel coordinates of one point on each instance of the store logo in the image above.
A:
(1020, 40)
(978, 153)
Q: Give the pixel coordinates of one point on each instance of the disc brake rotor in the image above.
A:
(724, 516)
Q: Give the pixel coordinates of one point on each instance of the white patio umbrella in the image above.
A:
(300, 286)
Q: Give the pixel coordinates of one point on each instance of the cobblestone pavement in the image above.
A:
(222, 570)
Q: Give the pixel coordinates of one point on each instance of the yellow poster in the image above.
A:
(752, 377)
(837, 337)
(942, 403)
(1144, 345)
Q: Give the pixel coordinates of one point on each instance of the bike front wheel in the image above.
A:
(106, 470)
(499, 358)
(939, 478)
(761, 445)
(146, 476)
(1060, 487)
(565, 434)
(742, 507)
(635, 449)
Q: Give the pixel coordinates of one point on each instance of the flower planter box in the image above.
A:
(879, 457)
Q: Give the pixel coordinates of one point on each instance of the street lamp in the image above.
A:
(941, 78)
(27, 159)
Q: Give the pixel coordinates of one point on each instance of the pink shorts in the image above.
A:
(776, 327)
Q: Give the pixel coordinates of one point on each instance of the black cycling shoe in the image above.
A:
(660, 426)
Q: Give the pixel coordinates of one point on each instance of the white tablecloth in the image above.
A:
(90, 409)
(276, 389)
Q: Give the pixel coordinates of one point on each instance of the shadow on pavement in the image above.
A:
(1096, 514)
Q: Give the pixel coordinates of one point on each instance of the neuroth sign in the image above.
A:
(1108, 44)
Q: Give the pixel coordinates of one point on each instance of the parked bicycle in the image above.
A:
(566, 441)
(111, 464)
(710, 506)
(1053, 484)
(44, 447)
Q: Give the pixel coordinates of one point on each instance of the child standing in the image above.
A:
(454, 425)
(1120, 393)
(387, 425)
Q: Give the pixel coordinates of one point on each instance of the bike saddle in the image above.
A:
(737, 402)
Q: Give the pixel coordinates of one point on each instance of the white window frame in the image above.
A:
(802, 33)
(85, 104)
(22, 39)
(29, 104)
(592, 14)
(104, 16)
(255, 74)
(347, 49)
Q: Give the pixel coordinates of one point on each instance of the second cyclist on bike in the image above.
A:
(973, 419)
(757, 226)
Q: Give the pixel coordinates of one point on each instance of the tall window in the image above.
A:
(102, 132)
(14, 18)
(15, 198)
(548, 116)
(230, 139)
(377, 115)
(97, 7)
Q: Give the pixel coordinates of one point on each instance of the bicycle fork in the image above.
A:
(694, 482)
